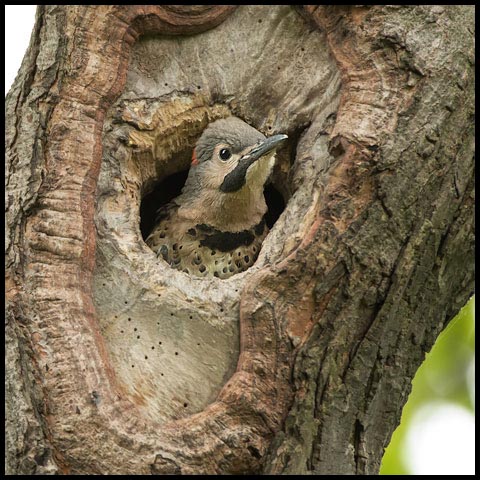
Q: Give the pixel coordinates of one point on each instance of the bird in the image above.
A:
(216, 226)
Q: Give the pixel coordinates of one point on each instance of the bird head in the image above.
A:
(230, 154)
(231, 163)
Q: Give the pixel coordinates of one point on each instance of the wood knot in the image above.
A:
(337, 146)
(165, 466)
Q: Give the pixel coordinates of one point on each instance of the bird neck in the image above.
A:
(229, 212)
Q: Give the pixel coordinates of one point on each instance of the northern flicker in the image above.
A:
(216, 226)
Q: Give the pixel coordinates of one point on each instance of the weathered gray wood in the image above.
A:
(307, 367)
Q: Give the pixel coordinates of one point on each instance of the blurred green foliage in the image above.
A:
(444, 376)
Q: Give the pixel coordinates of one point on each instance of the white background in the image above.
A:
(440, 442)
(19, 20)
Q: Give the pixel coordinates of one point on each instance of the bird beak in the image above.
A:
(263, 148)
(236, 178)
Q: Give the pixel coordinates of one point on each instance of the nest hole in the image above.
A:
(275, 203)
(162, 193)
(157, 193)
(166, 190)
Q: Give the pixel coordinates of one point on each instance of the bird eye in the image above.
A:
(225, 153)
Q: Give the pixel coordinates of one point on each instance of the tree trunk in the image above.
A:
(118, 364)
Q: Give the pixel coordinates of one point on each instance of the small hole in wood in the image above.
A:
(185, 405)
(254, 451)
(176, 353)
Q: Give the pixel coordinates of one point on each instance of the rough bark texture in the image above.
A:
(314, 347)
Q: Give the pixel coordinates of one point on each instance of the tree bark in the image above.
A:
(309, 354)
